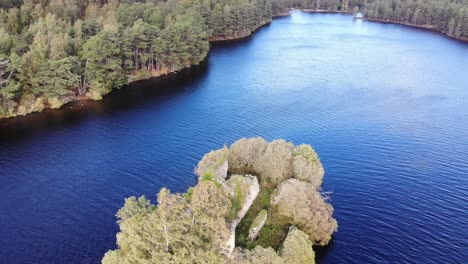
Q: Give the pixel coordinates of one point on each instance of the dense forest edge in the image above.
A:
(449, 17)
(255, 202)
(57, 51)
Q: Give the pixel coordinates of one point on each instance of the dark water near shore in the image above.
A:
(385, 106)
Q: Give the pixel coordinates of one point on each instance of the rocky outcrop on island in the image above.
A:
(255, 202)
(257, 224)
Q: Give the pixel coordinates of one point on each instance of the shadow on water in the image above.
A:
(139, 93)
(321, 252)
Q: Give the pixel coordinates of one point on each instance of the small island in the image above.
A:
(255, 202)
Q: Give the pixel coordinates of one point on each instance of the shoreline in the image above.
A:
(226, 38)
(222, 38)
(424, 27)
(82, 100)
(323, 11)
(133, 78)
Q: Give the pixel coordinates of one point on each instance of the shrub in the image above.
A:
(207, 166)
(29, 104)
(7, 108)
(275, 229)
(244, 153)
(134, 206)
(275, 164)
(307, 165)
(299, 201)
(262, 202)
(297, 248)
(57, 102)
(258, 255)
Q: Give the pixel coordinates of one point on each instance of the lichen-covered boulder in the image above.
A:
(246, 189)
(257, 224)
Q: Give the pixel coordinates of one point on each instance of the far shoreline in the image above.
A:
(423, 27)
(81, 101)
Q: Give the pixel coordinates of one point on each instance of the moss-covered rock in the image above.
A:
(257, 224)
(246, 190)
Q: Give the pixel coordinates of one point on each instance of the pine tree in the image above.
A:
(217, 20)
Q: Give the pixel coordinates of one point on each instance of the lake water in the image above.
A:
(385, 106)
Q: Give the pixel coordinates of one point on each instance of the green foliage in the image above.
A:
(69, 49)
(262, 202)
(258, 255)
(306, 209)
(274, 231)
(307, 152)
(282, 6)
(175, 231)
(104, 62)
(207, 168)
(237, 183)
(236, 203)
(244, 153)
(197, 227)
(55, 77)
(134, 206)
(297, 248)
(307, 165)
(447, 16)
(188, 195)
(275, 164)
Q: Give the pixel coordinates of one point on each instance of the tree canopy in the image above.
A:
(202, 225)
(53, 52)
(56, 51)
(447, 16)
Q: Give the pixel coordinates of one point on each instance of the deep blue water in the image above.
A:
(385, 106)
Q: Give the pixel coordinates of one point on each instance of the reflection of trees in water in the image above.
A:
(138, 93)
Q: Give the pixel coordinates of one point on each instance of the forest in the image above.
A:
(447, 16)
(56, 51)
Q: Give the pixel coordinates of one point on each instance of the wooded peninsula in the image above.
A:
(57, 51)
(255, 202)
